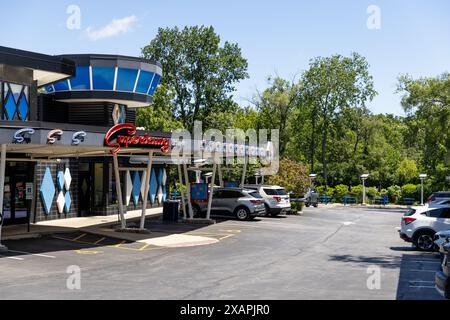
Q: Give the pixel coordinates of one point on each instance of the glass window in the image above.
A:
(103, 78)
(82, 79)
(271, 192)
(23, 109)
(154, 84)
(281, 192)
(15, 102)
(255, 195)
(126, 78)
(98, 184)
(62, 86)
(145, 79)
(437, 213)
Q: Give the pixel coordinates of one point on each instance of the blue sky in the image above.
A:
(277, 37)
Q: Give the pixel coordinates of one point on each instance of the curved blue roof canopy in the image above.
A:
(118, 79)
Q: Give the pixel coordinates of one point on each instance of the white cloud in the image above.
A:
(114, 28)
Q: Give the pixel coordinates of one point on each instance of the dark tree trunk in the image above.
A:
(313, 143)
(324, 150)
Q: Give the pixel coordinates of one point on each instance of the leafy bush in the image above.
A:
(340, 191)
(410, 190)
(372, 192)
(394, 193)
(328, 192)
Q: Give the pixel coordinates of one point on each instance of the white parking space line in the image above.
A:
(423, 287)
(12, 258)
(415, 270)
(33, 254)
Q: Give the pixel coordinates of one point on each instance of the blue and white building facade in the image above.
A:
(55, 112)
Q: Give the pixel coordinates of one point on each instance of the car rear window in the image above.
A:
(282, 192)
(255, 194)
(442, 195)
(271, 192)
(437, 213)
(410, 212)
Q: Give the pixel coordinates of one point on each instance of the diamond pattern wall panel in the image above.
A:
(67, 202)
(144, 178)
(129, 184)
(153, 187)
(47, 191)
(60, 202)
(67, 179)
(136, 187)
(60, 180)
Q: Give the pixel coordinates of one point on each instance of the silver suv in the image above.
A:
(240, 203)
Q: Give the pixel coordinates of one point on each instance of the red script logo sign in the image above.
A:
(129, 138)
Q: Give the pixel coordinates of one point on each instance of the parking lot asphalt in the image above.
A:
(327, 253)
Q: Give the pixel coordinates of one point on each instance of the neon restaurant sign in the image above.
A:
(123, 136)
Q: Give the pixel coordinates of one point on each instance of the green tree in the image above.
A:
(292, 176)
(427, 104)
(275, 106)
(407, 171)
(201, 72)
(158, 116)
(331, 84)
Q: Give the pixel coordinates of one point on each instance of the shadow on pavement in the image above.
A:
(381, 261)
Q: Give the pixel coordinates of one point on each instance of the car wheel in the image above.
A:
(424, 240)
(267, 209)
(242, 213)
(316, 205)
(307, 205)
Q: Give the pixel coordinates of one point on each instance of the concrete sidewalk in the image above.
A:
(86, 224)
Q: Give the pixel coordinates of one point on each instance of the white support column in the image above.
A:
(188, 191)
(183, 203)
(2, 190)
(146, 189)
(119, 191)
(219, 171)
(213, 178)
(244, 172)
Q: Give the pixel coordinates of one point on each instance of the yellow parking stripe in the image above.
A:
(79, 237)
(98, 241)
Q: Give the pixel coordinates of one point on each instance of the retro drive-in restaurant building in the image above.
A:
(66, 123)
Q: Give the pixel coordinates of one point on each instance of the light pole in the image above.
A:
(364, 178)
(312, 177)
(422, 177)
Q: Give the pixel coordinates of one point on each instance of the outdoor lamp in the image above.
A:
(207, 176)
(312, 177)
(363, 178)
(422, 177)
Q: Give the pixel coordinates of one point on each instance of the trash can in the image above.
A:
(171, 211)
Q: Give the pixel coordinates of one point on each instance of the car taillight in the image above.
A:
(278, 199)
(408, 220)
(255, 201)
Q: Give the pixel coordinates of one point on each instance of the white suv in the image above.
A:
(420, 224)
(276, 200)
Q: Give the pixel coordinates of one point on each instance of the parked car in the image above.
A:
(241, 203)
(311, 198)
(438, 203)
(420, 224)
(442, 278)
(276, 200)
(442, 238)
(439, 196)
